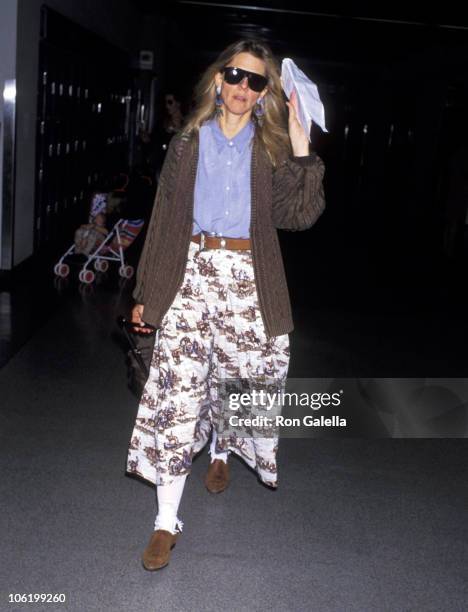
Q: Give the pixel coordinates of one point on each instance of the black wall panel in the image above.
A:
(83, 121)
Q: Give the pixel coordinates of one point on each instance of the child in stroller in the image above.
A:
(89, 236)
(100, 245)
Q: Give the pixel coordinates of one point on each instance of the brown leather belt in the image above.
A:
(214, 242)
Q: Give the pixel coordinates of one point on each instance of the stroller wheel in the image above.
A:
(126, 271)
(86, 276)
(62, 269)
(101, 265)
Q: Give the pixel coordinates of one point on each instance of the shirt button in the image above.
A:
(227, 188)
(231, 143)
(227, 212)
(229, 163)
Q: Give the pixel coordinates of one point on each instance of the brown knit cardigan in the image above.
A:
(290, 196)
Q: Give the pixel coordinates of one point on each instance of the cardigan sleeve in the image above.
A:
(164, 185)
(298, 193)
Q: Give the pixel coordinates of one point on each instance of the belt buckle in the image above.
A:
(222, 243)
(202, 242)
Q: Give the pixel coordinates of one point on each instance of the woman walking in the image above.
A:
(211, 276)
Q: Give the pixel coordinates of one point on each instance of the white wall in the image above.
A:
(8, 15)
(116, 21)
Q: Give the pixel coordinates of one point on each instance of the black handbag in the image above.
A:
(138, 357)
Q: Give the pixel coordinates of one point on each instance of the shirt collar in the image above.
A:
(240, 140)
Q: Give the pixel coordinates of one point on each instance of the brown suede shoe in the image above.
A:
(158, 551)
(217, 477)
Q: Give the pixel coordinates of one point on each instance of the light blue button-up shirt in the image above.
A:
(222, 188)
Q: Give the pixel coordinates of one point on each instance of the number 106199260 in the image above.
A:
(36, 598)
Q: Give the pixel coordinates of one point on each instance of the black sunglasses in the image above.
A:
(233, 76)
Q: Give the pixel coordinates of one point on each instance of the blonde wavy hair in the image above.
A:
(272, 134)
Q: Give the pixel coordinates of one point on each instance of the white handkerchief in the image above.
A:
(308, 100)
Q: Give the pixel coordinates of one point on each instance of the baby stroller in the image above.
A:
(99, 245)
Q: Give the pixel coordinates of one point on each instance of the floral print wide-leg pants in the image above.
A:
(212, 331)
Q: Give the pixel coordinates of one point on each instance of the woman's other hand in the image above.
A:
(137, 318)
(299, 139)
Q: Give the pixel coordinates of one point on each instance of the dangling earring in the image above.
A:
(259, 111)
(219, 102)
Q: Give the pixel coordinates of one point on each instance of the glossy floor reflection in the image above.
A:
(354, 315)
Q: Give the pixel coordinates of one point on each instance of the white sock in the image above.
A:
(169, 497)
(214, 455)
